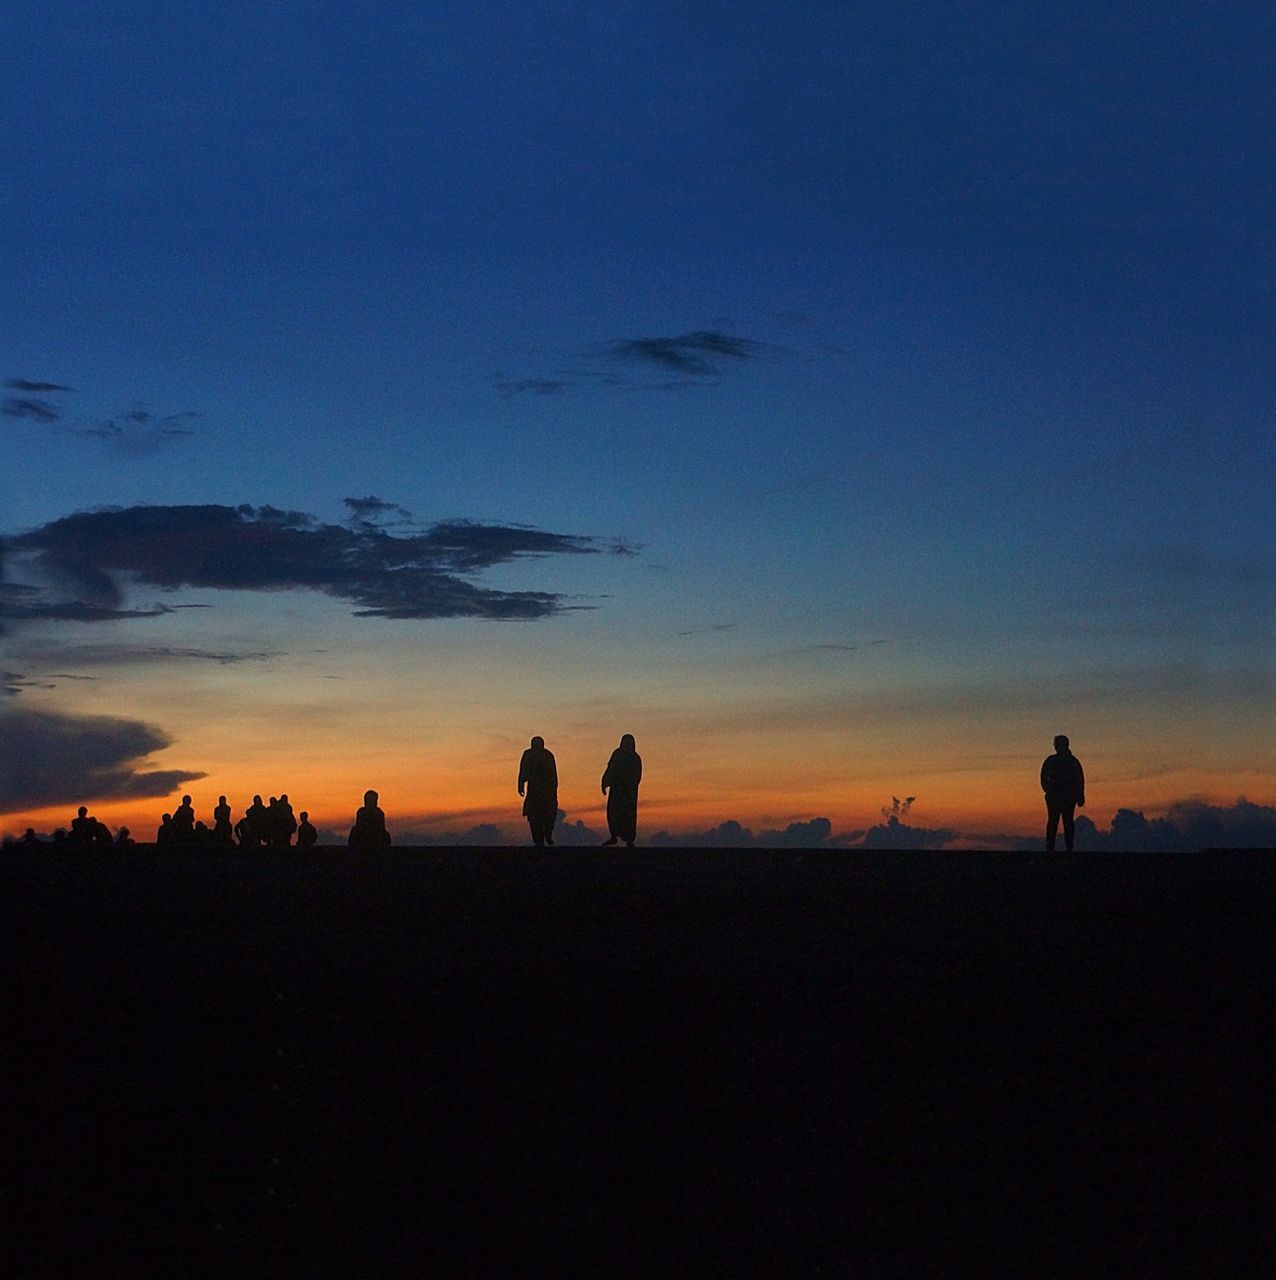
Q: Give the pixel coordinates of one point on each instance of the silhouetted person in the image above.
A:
(184, 820)
(123, 840)
(223, 833)
(165, 833)
(285, 822)
(1063, 781)
(29, 837)
(538, 784)
(306, 834)
(368, 832)
(620, 785)
(83, 828)
(252, 826)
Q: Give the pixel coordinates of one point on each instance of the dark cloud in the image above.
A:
(700, 354)
(372, 509)
(894, 834)
(418, 575)
(1187, 827)
(48, 759)
(817, 833)
(23, 602)
(898, 808)
(23, 384)
(32, 410)
(112, 655)
(711, 629)
(532, 386)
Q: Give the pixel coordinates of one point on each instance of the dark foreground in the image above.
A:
(468, 1062)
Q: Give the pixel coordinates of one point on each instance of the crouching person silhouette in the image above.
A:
(538, 784)
(1063, 781)
(368, 832)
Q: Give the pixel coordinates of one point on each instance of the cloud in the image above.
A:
(113, 655)
(33, 410)
(711, 629)
(698, 354)
(48, 759)
(414, 576)
(1188, 826)
(532, 386)
(373, 510)
(24, 384)
(136, 430)
(816, 833)
(23, 602)
(894, 834)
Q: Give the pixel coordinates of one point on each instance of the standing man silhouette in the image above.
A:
(620, 786)
(1063, 781)
(538, 778)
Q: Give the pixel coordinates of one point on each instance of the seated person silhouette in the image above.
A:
(83, 828)
(123, 840)
(184, 820)
(538, 784)
(620, 785)
(1063, 781)
(368, 833)
(306, 834)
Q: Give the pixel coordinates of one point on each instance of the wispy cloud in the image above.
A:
(137, 430)
(698, 354)
(510, 387)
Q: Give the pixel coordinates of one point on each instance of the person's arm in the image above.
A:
(606, 777)
(553, 774)
(1045, 774)
(522, 772)
(1080, 786)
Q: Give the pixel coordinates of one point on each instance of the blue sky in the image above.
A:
(988, 295)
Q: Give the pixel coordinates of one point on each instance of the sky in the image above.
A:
(843, 399)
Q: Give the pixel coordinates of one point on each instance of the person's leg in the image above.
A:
(1052, 824)
(1069, 826)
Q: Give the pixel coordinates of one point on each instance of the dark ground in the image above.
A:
(468, 1062)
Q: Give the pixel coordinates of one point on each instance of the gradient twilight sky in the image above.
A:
(922, 354)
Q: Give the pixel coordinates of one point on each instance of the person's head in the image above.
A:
(1061, 742)
(538, 743)
(305, 817)
(123, 833)
(283, 799)
(83, 811)
(30, 831)
(627, 742)
(166, 819)
(221, 799)
(256, 799)
(370, 799)
(186, 800)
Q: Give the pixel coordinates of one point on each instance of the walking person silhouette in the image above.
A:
(538, 784)
(620, 786)
(1063, 781)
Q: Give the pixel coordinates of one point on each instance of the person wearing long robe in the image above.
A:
(222, 832)
(620, 786)
(538, 785)
(368, 832)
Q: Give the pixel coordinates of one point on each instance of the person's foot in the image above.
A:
(613, 840)
(548, 840)
(629, 844)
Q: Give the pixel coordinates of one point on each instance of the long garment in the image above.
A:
(538, 773)
(621, 779)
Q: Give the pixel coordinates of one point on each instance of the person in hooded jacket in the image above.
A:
(1063, 782)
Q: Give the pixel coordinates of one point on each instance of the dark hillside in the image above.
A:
(638, 1063)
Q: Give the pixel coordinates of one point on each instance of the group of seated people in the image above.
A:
(271, 825)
